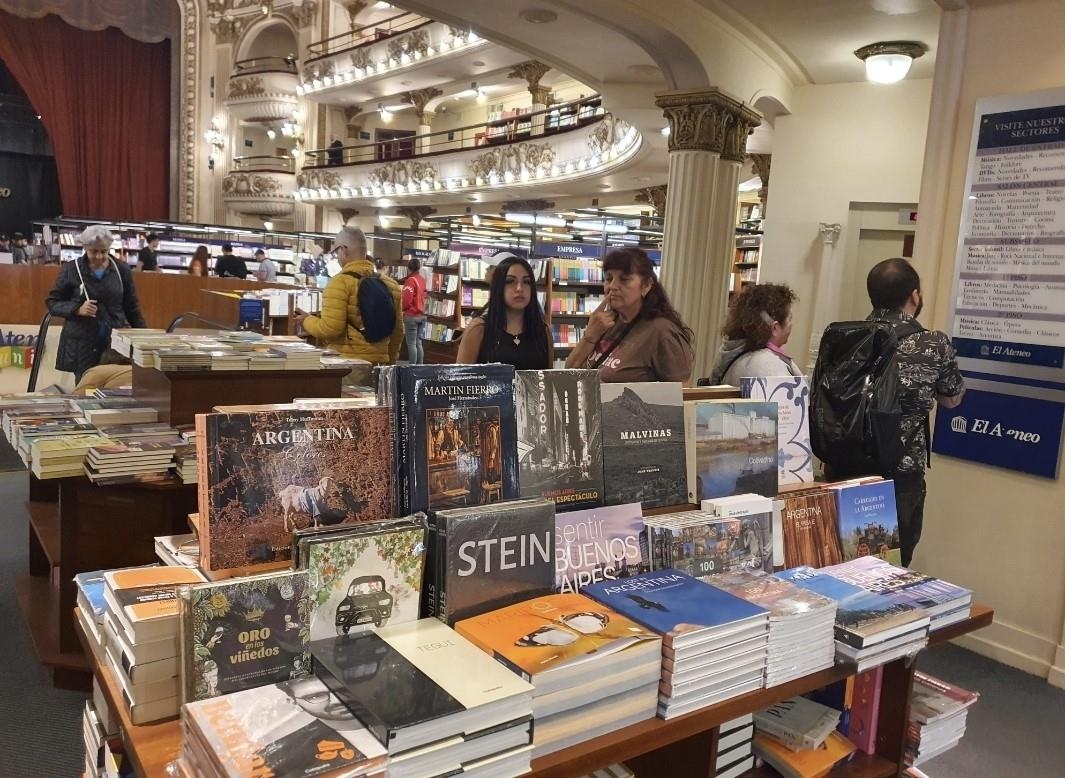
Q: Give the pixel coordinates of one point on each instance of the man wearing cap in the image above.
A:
(148, 259)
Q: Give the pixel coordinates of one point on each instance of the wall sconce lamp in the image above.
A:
(216, 139)
(888, 62)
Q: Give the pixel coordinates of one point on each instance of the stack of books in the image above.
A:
(734, 747)
(433, 699)
(123, 339)
(185, 463)
(151, 430)
(143, 350)
(178, 550)
(101, 417)
(142, 647)
(298, 356)
(593, 670)
(806, 762)
(937, 717)
(713, 643)
(91, 606)
(229, 360)
(105, 464)
(63, 457)
(94, 734)
(871, 629)
(801, 635)
(182, 359)
(798, 738)
(27, 430)
(294, 727)
(945, 603)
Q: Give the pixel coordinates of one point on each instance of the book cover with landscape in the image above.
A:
(792, 395)
(598, 544)
(643, 443)
(731, 448)
(811, 535)
(242, 633)
(868, 522)
(264, 474)
(560, 442)
(458, 429)
(364, 578)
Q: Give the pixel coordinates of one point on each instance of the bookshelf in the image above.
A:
(747, 258)
(684, 746)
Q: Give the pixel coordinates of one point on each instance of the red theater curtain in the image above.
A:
(105, 101)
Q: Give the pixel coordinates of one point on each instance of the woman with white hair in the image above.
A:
(94, 294)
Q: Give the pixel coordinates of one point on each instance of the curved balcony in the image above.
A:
(263, 89)
(372, 54)
(260, 186)
(566, 142)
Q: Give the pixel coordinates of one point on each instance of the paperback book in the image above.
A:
(144, 601)
(792, 395)
(643, 443)
(560, 441)
(731, 448)
(598, 544)
(455, 425)
(364, 577)
(264, 474)
(487, 557)
(246, 632)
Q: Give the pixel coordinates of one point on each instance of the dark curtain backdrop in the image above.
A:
(34, 193)
(105, 101)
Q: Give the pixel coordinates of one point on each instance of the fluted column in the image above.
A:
(708, 135)
(420, 98)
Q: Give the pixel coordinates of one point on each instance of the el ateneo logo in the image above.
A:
(996, 430)
(5, 192)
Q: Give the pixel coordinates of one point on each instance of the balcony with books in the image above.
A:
(506, 157)
(262, 89)
(260, 185)
(388, 57)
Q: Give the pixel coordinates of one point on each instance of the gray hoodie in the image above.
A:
(733, 363)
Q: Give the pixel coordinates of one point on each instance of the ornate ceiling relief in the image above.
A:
(708, 121)
(416, 214)
(228, 29)
(655, 196)
(405, 173)
(414, 41)
(607, 133)
(419, 98)
(248, 86)
(513, 160)
(532, 71)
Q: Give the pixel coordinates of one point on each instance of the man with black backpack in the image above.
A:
(361, 313)
(875, 384)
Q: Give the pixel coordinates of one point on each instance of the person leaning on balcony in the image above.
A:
(635, 334)
(336, 151)
(340, 325)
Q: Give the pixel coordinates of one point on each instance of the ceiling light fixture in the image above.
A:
(269, 225)
(476, 220)
(386, 115)
(539, 219)
(888, 62)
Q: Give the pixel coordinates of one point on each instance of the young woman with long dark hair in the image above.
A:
(514, 329)
(635, 334)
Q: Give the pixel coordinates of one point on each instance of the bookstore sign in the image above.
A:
(1008, 303)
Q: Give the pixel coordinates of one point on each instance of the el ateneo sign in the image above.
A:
(5, 192)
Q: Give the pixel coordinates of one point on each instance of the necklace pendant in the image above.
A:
(517, 341)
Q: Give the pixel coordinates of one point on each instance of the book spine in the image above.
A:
(399, 409)
(850, 638)
(429, 586)
(203, 492)
(188, 650)
(779, 732)
(865, 709)
(441, 571)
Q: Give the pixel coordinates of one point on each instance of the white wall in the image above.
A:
(842, 143)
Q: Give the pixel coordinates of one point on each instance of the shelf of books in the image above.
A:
(527, 572)
(748, 253)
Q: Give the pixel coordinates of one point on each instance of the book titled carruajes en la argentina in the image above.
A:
(262, 475)
(560, 442)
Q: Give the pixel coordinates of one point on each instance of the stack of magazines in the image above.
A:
(937, 717)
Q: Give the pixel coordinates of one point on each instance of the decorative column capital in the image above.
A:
(655, 196)
(829, 233)
(762, 163)
(532, 71)
(708, 121)
(354, 8)
(416, 214)
(529, 206)
(419, 98)
(347, 213)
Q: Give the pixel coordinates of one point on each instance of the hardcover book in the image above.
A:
(416, 683)
(868, 523)
(554, 632)
(934, 699)
(242, 633)
(879, 577)
(811, 533)
(731, 448)
(264, 474)
(792, 396)
(294, 729)
(560, 442)
(457, 424)
(698, 543)
(680, 608)
(797, 722)
(598, 544)
(366, 577)
(492, 556)
(643, 443)
(144, 599)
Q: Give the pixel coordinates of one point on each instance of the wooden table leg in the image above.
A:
(693, 757)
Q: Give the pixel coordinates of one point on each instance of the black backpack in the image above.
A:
(855, 413)
(376, 306)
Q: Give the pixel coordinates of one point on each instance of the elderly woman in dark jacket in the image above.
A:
(95, 295)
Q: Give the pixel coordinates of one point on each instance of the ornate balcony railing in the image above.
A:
(246, 67)
(264, 163)
(263, 96)
(427, 164)
(363, 36)
(260, 186)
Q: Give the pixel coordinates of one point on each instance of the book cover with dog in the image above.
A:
(458, 435)
(264, 474)
(364, 577)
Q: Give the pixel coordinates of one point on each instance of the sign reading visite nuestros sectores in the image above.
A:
(1008, 302)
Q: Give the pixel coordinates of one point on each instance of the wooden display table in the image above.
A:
(88, 528)
(684, 746)
(179, 395)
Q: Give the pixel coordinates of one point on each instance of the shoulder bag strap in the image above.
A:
(601, 358)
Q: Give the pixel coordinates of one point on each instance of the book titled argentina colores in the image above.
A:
(560, 441)
(246, 632)
(458, 435)
(488, 557)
